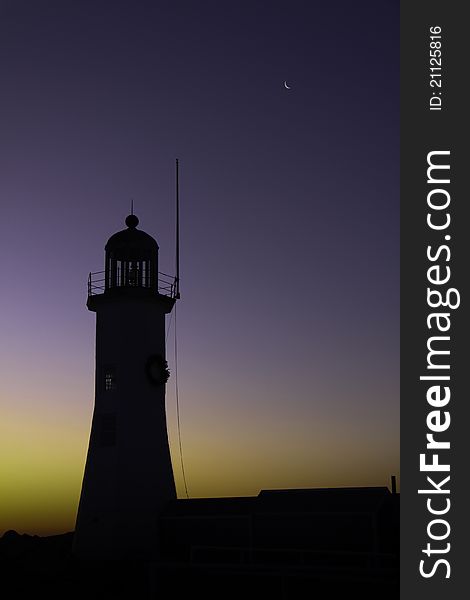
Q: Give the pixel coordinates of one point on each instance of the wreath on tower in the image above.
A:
(157, 369)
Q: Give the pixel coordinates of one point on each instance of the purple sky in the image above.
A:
(288, 325)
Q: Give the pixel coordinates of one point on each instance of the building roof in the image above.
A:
(131, 243)
(317, 500)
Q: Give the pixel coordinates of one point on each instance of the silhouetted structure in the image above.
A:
(283, 545)
(296, 539)
(280, 544)
(128, 475)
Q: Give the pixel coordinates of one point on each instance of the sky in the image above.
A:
(288, 323)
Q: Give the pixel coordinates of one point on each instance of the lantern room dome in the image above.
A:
(131, 243)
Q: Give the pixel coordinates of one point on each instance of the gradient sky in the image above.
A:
(288, 326)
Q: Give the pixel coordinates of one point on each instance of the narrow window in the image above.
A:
(134, 273)
(144, 274)
(119, 273)
(109, 378)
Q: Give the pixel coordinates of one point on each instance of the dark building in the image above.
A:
(128, 475)
(284, 542)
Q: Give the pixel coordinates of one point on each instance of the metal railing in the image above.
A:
(96, 284)
(166, 284)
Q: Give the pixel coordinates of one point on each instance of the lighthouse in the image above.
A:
(128, 478)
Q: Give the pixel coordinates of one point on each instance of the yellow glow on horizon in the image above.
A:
(41, 462)
(42, 457)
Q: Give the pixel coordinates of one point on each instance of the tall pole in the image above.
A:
(177, 282)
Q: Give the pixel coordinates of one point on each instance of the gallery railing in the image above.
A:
(166, 284)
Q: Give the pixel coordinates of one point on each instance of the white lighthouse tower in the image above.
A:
(128, 476)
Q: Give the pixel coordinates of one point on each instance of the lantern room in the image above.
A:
(131, 258)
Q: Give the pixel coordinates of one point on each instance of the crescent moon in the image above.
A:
(286, 86)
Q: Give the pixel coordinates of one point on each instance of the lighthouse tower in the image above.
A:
(128, 475)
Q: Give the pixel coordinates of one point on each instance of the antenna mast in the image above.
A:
(177, 279)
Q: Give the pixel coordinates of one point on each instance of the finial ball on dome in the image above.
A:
(132, 221)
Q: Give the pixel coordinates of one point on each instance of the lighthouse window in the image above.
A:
(107, 430)
(109, 378)
(119, 273)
